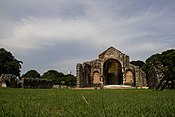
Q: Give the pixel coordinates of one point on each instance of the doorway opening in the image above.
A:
(112, 72)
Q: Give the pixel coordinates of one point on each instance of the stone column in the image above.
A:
(79, 74)
(137, 76)
(124, 78)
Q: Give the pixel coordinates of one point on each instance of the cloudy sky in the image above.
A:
(58, 34)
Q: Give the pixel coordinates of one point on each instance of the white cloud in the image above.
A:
(35, 33)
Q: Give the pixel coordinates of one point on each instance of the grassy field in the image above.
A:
(86, 103)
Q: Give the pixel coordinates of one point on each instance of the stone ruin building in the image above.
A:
(158, 78)
(155, 74)
(111, 68)
(8, 80)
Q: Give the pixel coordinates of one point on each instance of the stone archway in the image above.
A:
(96, 77)
(129, 78)
(112, 72)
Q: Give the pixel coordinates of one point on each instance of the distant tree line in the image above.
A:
(57, 77)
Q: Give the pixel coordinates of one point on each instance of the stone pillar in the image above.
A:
(123, 72)
(79, 74)
(137, 76)
(144, 79)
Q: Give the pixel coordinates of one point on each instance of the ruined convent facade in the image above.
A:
(111, 68)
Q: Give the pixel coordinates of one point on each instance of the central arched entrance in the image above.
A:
(112, 72)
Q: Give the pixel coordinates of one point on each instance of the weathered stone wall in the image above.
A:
(8, 80)
(139, 76)
(87, 80)
(35, 83)
(129, 78)
(155, 74)
(79, 71)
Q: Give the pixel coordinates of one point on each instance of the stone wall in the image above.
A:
(155, 74)
(8, 80)
(79, 74)
(139, 76)
(35, 83)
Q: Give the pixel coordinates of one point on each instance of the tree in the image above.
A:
(31, 74)
(153, 58)
(138, 63)
(60, 78)
(166, 58)
(151, 61)
(55, 76)
(8, 63)
(70, 80)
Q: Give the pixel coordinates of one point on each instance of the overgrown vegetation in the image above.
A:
(167, 58)
(92, 103)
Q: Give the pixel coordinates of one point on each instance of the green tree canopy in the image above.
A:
(167, 58)
(138, 63)
(70, 80)
(31, 74)
(153, 58)
(151, 61)
(53, 75)
(60, 78)
(8, 63)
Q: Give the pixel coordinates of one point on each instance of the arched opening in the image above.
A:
(96, 77)
(7, 83)
(112, 72)
(87, 79)
(129, 78)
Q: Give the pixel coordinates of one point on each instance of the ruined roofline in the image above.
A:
(111, 48)
(89, 62)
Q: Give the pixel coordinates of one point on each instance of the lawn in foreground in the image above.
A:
(92, 103)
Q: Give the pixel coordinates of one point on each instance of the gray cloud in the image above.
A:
(56, 34)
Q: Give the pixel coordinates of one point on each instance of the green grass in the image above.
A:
(86, 103)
